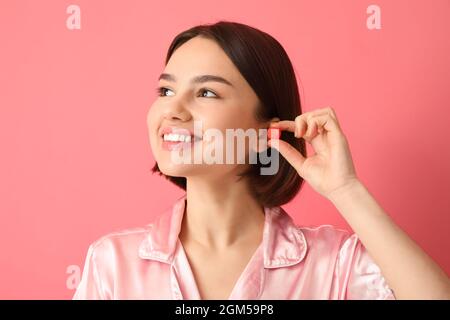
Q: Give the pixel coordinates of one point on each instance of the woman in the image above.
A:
(228, 237)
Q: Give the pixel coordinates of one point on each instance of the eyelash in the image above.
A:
(160, 92)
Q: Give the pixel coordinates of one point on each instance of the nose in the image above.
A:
(176, 111)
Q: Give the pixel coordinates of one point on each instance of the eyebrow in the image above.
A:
(198, 79)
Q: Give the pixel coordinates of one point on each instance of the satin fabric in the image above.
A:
(291, 262)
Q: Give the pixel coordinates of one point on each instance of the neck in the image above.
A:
(220, 214)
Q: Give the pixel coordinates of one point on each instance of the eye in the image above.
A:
(161, 91)
(203, 90)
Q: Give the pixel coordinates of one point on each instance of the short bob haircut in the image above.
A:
(265, 65)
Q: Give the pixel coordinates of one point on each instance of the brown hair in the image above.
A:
(265, 65)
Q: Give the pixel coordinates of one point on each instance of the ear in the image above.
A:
(275, 120)
(263, 147)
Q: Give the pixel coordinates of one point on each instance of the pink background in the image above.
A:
(75, 160)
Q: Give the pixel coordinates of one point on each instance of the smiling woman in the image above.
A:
(246, 95)
(228, 237)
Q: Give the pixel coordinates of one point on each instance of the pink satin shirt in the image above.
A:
(291, 263)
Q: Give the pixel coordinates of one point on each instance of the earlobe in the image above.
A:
(275, 119)
(261, 143)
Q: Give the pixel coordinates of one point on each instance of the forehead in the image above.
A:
(202, 56)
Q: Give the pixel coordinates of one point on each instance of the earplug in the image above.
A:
(273, 133)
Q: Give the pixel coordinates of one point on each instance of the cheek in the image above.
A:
(233, 120)
(237, 120)
(228, 117)
(152, 125)
(232, 117)
(151, 114)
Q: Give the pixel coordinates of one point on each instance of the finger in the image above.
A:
(322, 111)
(301, 121)
(300, 125)
(292, 155)
(321, 124)
(287, 125)
(297, 126)
(332, 113)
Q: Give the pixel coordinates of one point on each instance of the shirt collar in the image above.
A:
(283, 242)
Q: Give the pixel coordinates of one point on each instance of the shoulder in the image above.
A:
(120, 242)
(351, 267)
(328, 237)
(107, 257)
(325, 232)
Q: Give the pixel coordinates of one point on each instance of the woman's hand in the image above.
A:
(409, 271)
(331, 168)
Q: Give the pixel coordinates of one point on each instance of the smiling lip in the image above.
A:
(166, 130)
(171, 145)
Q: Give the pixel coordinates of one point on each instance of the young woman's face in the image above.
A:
(215, 104)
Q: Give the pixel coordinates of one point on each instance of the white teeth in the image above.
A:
(177, 137)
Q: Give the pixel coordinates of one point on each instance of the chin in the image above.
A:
(176, 170)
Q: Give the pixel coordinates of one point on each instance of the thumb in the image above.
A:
(292, 155)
